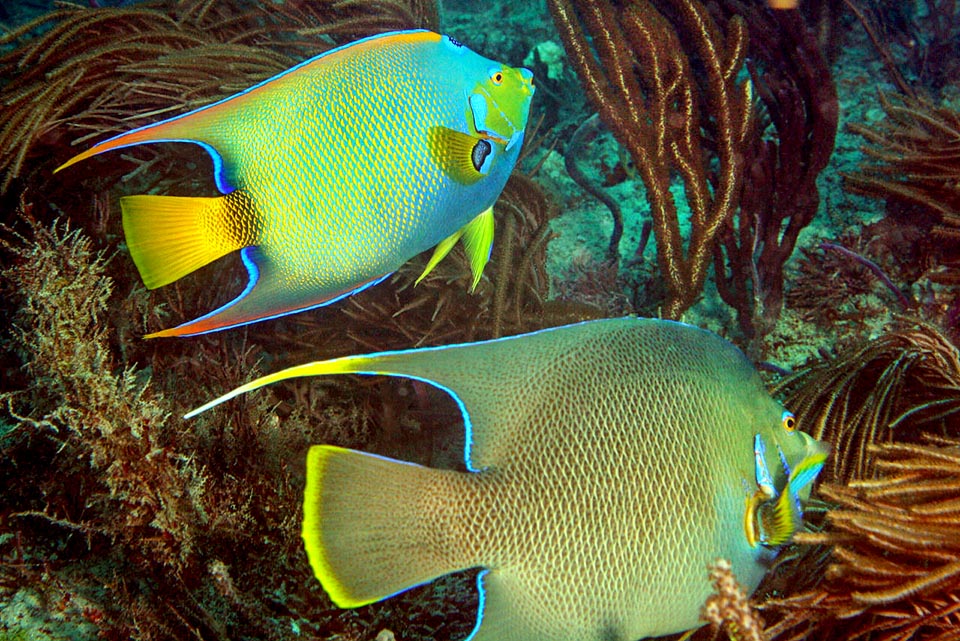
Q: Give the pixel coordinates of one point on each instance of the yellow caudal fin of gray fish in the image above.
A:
(169, 236)
(365, 529)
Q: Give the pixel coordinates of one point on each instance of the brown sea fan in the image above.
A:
(914, 159)
(896, 387)
(103, 70)
(894, 573)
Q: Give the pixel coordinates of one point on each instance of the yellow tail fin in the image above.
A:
(171, 236)
(373, 527)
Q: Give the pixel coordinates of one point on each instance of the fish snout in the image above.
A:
(527, 85)
(813, 446)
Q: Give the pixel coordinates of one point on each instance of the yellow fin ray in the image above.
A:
(170, 236)
(344, 365)
(455, 153)
(781, 520)
(439, 253)
(478, 241)
(477, 236)
(365, 531)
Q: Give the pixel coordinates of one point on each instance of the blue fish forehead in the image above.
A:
(468, 66)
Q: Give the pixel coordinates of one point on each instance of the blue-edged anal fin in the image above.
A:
(492, 381)
(477, 236)
(507, 603)
(268, 294)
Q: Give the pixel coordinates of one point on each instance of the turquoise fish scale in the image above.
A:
(358, 221)
(387, 219)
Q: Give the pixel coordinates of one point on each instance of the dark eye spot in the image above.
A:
(480, 152)
(789, 421)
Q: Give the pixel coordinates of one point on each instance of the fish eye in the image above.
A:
(497, 77)
(789, 421)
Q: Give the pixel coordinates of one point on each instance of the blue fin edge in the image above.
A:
(468, 447)
(467, 423)
(482, 594)
(253, 273)
(221, 181)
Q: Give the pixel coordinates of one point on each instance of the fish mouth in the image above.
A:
(813, 446)
(527, 76)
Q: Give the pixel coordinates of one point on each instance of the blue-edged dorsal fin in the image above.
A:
(494, 382)
(478, 376)
(233, 127)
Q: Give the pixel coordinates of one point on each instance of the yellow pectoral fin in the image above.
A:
(478, 241)
(464, 158)
(786, 517)
(780, 520)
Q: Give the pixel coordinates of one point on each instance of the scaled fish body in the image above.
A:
(610, 462)
(335, 173)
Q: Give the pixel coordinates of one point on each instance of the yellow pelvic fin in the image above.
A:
(478, 241)
(171, 236)
(477, 238)
(459, 155)
(365, 531)
(439, 253)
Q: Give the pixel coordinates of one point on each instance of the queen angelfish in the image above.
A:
(609, 463)
(334, 173)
